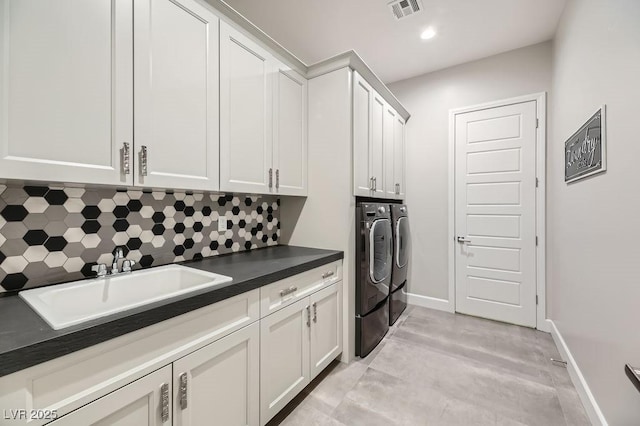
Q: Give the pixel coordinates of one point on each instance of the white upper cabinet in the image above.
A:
(246, 114)
(390, 187)
(393, 154)
(176, 95)
(290, 132)
(263, 120)
(378, 108)
(378, 144)
(399, 157)
(66, 90)
(362, 99)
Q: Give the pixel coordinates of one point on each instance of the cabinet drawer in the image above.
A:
(285, 292)
(69, 382)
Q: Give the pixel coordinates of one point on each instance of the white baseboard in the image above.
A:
(430, 302)
(587, 398)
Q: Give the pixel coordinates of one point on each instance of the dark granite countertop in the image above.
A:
(27, 340)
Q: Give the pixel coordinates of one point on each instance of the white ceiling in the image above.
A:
(314, 30)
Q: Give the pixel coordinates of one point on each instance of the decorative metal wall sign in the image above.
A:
(585, 151)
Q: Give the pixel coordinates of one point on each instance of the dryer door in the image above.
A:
(380, 256)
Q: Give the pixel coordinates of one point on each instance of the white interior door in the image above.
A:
(66, 90)
(495, 218)
(176, 94)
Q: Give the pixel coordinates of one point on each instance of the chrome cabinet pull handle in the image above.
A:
(270, 178)
(288, 291)
(315, 312)
(144, 160)
(375, 183)
(371, 184)
(126, 163)
(308, 316)
(164, 398)
(277, 178)
(327, 275)
(183, 391)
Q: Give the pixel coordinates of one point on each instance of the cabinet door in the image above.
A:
(290, 132)
(176, 95)
(222, 382)
(136, 404)
(284, 357)
(362, 100)
(377, 144)
(326, 327)
(399, 157)
(390, 187)
(245, 114)
(66, 90)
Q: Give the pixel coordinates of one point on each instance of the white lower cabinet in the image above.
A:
(284, 357)
(297, 343)
(326, 327)
(137, 404)
(219, 384)
(223, 364)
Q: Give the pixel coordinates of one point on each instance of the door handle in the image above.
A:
(270, 178)
(463, 240)
(144, 160)
(164, 398)
(183, 391)
(126, 163)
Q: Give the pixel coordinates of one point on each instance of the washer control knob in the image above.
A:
(381, 210)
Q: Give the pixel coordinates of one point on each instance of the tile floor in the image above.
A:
(437, 368)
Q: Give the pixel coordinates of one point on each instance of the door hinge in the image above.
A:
(537, 123)
(536, 240)
(537, 182)
(536, 299)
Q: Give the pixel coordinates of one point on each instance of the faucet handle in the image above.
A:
(100, 269)
(127, 265)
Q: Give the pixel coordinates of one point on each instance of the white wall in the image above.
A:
(593, 274)
(429, 99)
(326, 219)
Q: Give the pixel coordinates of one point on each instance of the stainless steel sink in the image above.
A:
(73, 303)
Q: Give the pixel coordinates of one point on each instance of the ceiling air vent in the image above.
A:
(403, 8)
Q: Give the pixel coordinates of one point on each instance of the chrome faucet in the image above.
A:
(118, 254)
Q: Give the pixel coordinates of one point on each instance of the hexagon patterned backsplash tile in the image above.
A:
(54, 234)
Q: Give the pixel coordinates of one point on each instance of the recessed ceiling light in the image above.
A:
(428, 33)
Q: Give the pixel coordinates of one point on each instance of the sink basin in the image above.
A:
(73, 303)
